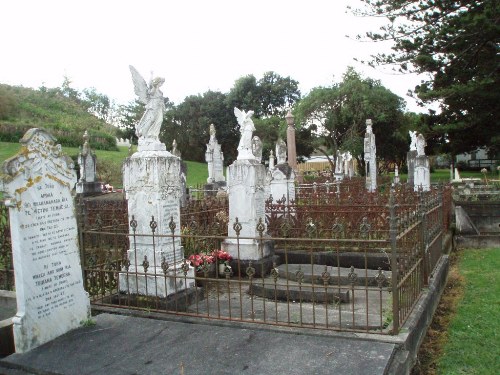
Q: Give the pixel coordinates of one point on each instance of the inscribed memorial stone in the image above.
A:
(51, 299)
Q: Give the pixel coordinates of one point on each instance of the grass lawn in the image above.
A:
(473, 345)
(197, 172)
(463, 336)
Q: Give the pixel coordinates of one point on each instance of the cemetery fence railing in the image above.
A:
(364, 273)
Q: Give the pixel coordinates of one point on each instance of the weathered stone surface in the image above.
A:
(152, 181)
(370, 158)
(49, 287)
(246, 186)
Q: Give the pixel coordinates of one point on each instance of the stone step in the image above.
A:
(292, 291)
(313, 274)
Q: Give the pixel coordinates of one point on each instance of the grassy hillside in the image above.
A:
(64, 117)
(109, 163)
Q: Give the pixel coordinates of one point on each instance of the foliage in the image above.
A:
(337, 114)
(456, 44)
(188, 123)
(472, 345)
(59, 111)
(272, 95)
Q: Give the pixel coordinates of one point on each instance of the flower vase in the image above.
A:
(222, 269)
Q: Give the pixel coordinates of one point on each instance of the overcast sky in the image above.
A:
(196, 45)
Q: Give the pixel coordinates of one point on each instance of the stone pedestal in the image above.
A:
(246, 186)
(411, 156)
(152, 182)
(422, 175)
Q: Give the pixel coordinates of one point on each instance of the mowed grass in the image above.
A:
(473, 345)
(197, 173)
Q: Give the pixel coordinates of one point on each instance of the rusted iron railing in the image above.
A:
(341, 268)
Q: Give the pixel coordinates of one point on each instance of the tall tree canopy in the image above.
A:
(458, 44)
(188, 123)
(337, 114)
(272, 95)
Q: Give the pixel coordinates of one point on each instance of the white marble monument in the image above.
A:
(246, 188)
(339, 166)
(370, 158)
(421, 174)
(87, 184)
(152, 182)
(348, 164)
(214, 158)
(37, 184)
(411, 157)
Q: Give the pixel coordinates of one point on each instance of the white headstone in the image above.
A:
(282, 183)
(51, 299)
(257, 148)
(421, 174)
(281, 151)
(214, 158)
(87, 184)
(370, 158)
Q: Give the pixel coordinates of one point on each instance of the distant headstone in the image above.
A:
(87, 184)
(257, 148)
(339, 167)
(271, 160)
(183, 171)
(370, 158)
(348, 164)
(215, 162)
(411, 157)
(37, 183)
(281, 151)
(421, 174)
(282, 183)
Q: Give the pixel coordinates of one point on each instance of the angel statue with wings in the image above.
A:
(246, 128)
(150, 123)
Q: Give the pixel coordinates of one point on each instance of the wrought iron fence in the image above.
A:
(6, 263)
(361, 273)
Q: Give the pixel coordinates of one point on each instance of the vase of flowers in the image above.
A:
(222, 259)
(204, 265)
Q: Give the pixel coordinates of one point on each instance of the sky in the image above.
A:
(196, 45)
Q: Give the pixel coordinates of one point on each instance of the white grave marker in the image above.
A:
(51, 299)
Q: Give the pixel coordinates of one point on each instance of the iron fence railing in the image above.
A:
(367, 278)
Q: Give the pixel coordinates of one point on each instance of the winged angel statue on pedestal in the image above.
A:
(148, 128)
(246, 128)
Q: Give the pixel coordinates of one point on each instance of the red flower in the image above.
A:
(222, 255)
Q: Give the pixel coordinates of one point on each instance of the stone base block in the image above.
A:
(88, 188)
(262, 266)
(154, 283)
(248, 249)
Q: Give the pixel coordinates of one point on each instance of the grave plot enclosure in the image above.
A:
(341, 259)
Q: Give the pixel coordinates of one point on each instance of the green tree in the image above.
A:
(188, 123)
(270, 96)
(337, 115)
(98, 104)
(456, 43)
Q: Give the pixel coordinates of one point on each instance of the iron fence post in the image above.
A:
(80, 221)
(422, 214)
(393, 231)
